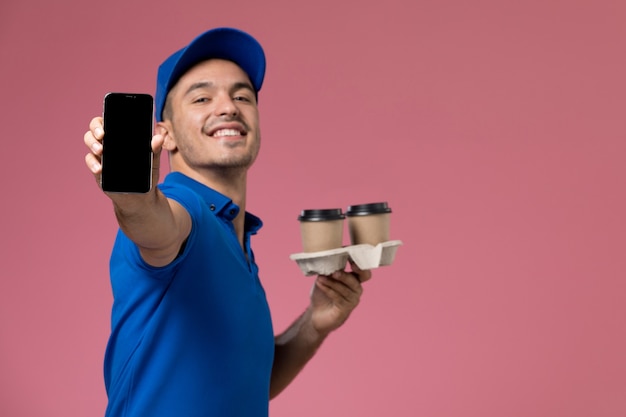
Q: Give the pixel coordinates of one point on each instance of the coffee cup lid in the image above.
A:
(370, 208)
(318, 215)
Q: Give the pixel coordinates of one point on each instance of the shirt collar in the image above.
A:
(220, 204)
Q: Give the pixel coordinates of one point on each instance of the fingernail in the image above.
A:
(96, 147)
(98, 132)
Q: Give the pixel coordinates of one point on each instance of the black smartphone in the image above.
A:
(126, 145)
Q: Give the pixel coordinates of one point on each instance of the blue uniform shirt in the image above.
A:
(193, 338)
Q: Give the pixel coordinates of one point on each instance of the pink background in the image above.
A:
(494, 129)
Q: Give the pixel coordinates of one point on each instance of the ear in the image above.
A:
(165, 129)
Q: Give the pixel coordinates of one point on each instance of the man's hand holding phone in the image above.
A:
(93, 141)
(124, 156)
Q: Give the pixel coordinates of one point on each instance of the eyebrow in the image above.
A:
(208, 84)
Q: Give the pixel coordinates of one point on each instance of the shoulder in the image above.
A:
(181, 196)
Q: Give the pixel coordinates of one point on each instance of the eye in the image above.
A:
(202, 100)
(242, 98)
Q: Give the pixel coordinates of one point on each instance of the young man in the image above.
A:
(191, 329)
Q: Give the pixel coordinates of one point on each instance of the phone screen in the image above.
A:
(126, 148)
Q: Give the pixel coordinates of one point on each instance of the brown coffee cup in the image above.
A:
(369, 223)
(321, 229)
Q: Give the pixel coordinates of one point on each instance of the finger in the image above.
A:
(349, 279)
(93, 164)
(336, 292)
(344, 284)
(96, 126)
(157, 143)
(157, 146)
(93, 137)
(340, 299)
(362, 274)
(92, 143)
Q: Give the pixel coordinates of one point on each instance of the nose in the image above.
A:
(226, 106)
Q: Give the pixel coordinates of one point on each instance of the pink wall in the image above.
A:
(494, 129)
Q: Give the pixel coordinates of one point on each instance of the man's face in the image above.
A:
(214, 120)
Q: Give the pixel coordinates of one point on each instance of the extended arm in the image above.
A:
(156, 224)
(333, 298)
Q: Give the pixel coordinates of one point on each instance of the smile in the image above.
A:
(227, 132)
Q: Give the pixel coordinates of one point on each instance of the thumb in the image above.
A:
(157, 147)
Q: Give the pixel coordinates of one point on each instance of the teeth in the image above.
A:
(226, 132)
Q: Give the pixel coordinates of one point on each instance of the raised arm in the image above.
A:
(333, 299)
(157, 225)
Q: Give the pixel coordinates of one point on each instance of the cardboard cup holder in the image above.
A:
(365, 256)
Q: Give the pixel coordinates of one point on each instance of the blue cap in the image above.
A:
(222, 43)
